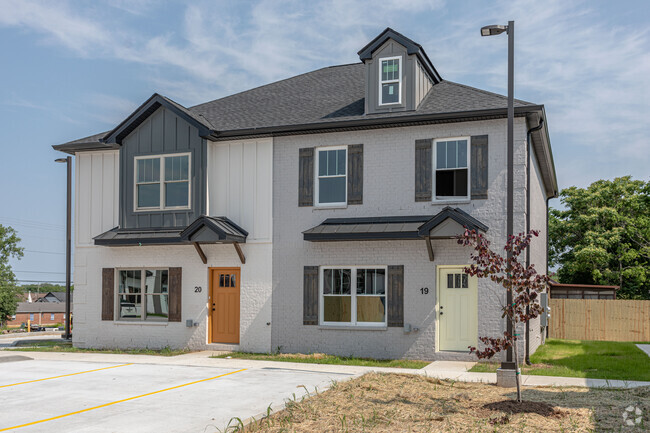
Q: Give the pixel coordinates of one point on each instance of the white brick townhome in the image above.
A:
(314, 214)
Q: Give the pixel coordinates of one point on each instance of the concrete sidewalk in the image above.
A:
(448, 370)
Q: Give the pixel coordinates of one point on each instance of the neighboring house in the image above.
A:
(38, 313)
(581, 291)
(54, 297)
(316, 213)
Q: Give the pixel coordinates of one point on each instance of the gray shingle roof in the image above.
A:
(41, 307)
(325, 96)
(329, 95)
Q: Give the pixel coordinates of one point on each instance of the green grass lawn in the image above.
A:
(320, 358)
(591, 359)
(63, 346)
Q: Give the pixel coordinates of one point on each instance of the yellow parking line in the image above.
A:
(120, 401)
(63, 375)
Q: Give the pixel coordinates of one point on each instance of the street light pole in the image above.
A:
(509, 363)
(68, 240)
(511, 145)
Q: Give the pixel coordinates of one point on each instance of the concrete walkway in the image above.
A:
(645, 348)
(448, 370)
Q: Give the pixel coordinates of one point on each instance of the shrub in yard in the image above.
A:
(523, 282)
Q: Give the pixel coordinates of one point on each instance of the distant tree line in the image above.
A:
(44, 288)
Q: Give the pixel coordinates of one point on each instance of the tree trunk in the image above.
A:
(620, 274)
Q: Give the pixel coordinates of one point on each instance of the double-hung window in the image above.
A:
(390, 80)
(331, 177)
(451, 180)
(143, 294)
(353, 295)
(162, 182)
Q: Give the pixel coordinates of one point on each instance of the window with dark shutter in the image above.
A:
(175, 294)
(310, 296)
(108, 288)
(479, 167)
(355, 174)
(306, 177)
(396, 295)
(423, 161)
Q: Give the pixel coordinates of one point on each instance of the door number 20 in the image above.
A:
(424, 290)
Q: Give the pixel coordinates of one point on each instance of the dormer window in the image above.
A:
(390, 80)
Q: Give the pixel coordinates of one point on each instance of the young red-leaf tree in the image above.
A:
(522, 281)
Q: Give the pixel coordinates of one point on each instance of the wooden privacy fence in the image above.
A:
(598, 319)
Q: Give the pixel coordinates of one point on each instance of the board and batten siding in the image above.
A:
(97, 194)
(163, 133)
(422, 84)
(240, 185)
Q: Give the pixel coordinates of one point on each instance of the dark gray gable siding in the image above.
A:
(162, 133)
(409, 64)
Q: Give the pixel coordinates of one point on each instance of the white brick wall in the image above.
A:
(538, 246)
(255, 310)
(389, 156)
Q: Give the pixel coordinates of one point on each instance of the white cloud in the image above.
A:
(593, 77)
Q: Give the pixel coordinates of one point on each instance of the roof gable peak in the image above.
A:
(412, 48)
(145, 110)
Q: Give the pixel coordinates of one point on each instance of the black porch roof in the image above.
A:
(388, 227)
(204, 229)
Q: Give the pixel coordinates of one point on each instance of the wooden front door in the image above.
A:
(457, 309)
(224, 304)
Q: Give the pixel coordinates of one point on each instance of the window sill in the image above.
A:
(452, 201)
(167, 209)
(352, 328)
(328, 207)
(139, 322)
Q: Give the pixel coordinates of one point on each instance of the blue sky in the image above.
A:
(74, 68)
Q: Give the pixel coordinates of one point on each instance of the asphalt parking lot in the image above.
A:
(76, 396)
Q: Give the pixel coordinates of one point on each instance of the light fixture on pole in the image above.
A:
(492, 31)
(68, 228)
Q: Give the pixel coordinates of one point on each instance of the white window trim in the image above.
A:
(353, 293)
(143, 315)
(399, 80)
(161, 182)
(434, 151)
(317, 202)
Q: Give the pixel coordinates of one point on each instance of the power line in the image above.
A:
(41, 272)
(32, 223)
(41, 281)
(43, 252)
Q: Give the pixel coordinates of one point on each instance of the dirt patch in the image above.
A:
(378, 403)
(537, 407)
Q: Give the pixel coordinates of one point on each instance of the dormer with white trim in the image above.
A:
(399, 73)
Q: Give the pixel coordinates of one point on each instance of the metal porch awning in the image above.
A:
(204, 230)
(447, 224)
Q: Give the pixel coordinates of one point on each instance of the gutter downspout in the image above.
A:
(528, 146)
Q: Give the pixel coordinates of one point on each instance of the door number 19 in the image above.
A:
(424, 290)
